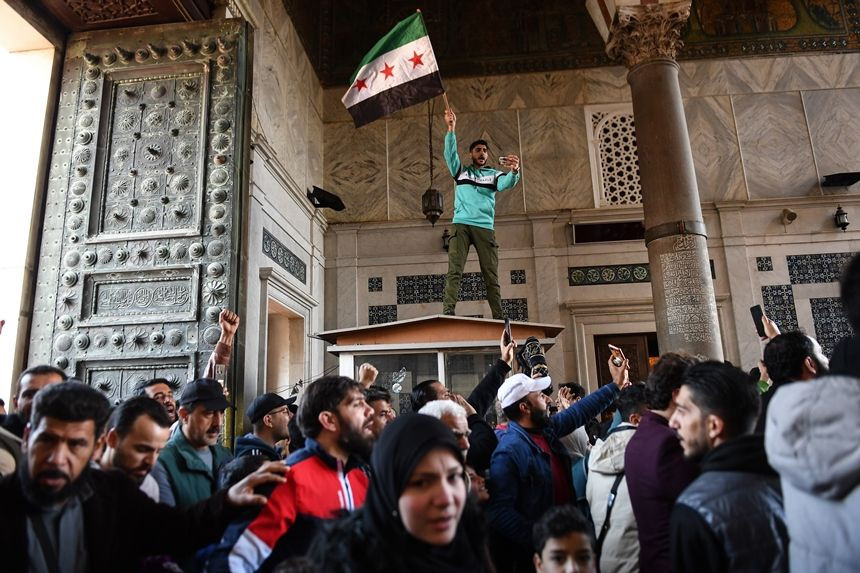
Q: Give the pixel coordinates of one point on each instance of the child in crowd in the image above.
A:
(563, 542)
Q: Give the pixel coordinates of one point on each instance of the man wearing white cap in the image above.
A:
(530, 469)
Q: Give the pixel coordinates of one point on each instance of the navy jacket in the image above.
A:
(520, 472)
(251, 445)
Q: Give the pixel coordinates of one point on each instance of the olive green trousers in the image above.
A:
(462, 237)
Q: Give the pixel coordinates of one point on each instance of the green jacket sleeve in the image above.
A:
(451, 156)
(508, 180)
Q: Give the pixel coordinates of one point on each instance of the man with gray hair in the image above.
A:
(452, 415)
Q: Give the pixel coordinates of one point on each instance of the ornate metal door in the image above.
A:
(141, 229)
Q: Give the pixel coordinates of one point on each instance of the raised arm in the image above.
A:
(452, 158)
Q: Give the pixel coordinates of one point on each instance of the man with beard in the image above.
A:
(187, 469)
(61, 515)
(731, 517)
(139, 429)
(530, 470)
(474, 215)
(162, 391)
(30, 382)
(327, 477)
(790, 357)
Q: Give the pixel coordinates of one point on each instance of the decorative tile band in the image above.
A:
(518, 277)
(417, 289)
(516, 308)
(764, 264)
(831, 325)
(381, 314)
(608, 274)
(284, 257)
(822, 268)
(374, 284)
(779, 306)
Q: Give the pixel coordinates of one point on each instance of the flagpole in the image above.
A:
(445, 99)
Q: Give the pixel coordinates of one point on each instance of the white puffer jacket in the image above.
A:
(620, 552)
(812, 438)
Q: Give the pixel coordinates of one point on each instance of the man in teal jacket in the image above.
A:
(474, 213)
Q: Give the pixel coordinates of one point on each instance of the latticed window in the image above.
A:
(614, 161)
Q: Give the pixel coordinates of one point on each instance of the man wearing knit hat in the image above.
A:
(530, 469)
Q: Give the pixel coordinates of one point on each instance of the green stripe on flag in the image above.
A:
(407, 30)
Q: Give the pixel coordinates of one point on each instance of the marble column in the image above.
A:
(645, 37)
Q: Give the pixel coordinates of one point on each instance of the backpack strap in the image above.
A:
(610, 503)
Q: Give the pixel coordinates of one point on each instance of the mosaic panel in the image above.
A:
(764, 263)
(830, 322)
(380, 314)
(518, 277)
(822, 268)
(516, 309)
(374, 284)
(276, 251)
(608, 274)
(778, 302)
(416, 289)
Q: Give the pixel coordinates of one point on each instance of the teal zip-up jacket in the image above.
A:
(475, 193)
(188, 477)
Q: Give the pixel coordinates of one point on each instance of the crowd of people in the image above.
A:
(700, 467)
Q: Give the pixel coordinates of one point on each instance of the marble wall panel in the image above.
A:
(702, 78)
(716, 154)
(333, 109)
(296, 145)
(409, 167)
(485, 93)
(354, 169)
(760, 75)
(268, 107)
(605, 85)
(562, 88)
(834, 124)
(555, 159)
(775, 145)
(315, 149)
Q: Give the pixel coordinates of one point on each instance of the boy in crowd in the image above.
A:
(563, 542)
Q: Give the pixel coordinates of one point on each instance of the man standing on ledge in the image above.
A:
(474, 212)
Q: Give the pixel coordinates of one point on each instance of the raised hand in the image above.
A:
(367, 374)
(450, 119)
(242, 493)
(229, 323)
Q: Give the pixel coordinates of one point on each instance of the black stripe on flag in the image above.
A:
(397, 98)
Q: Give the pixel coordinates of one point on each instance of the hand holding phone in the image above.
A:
(757, 316)
(508, 337)
(617, 355)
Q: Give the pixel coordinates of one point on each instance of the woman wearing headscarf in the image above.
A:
(417, 516)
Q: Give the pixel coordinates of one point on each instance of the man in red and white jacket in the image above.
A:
(326, 478)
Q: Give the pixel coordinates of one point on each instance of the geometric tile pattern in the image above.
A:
(608, 274)
(518, 277)
(831, 325)
(417, 289)
(779, 306)
(374, 284)
(823, 268)
(380, 314)
(764, 263)
(516, 308)
(276, 251)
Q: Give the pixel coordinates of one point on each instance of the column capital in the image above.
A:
(644, 32)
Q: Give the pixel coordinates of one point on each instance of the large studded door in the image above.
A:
(141, 229)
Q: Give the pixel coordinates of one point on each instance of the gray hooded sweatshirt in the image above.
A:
(812, 438)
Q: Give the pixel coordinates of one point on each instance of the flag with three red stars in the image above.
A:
(398, 72)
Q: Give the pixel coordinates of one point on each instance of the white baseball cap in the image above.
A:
(518, 386)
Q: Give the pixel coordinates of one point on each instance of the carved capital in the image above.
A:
(647, 32)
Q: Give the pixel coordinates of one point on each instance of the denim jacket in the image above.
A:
(520, 473)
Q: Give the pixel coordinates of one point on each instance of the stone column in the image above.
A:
(645, 38)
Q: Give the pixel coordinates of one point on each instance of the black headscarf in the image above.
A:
(402, 445)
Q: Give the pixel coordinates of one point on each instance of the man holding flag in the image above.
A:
(474, 214)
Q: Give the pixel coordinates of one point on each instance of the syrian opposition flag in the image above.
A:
(399, 71)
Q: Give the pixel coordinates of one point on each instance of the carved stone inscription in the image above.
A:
(689, 303)
(154, 297)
